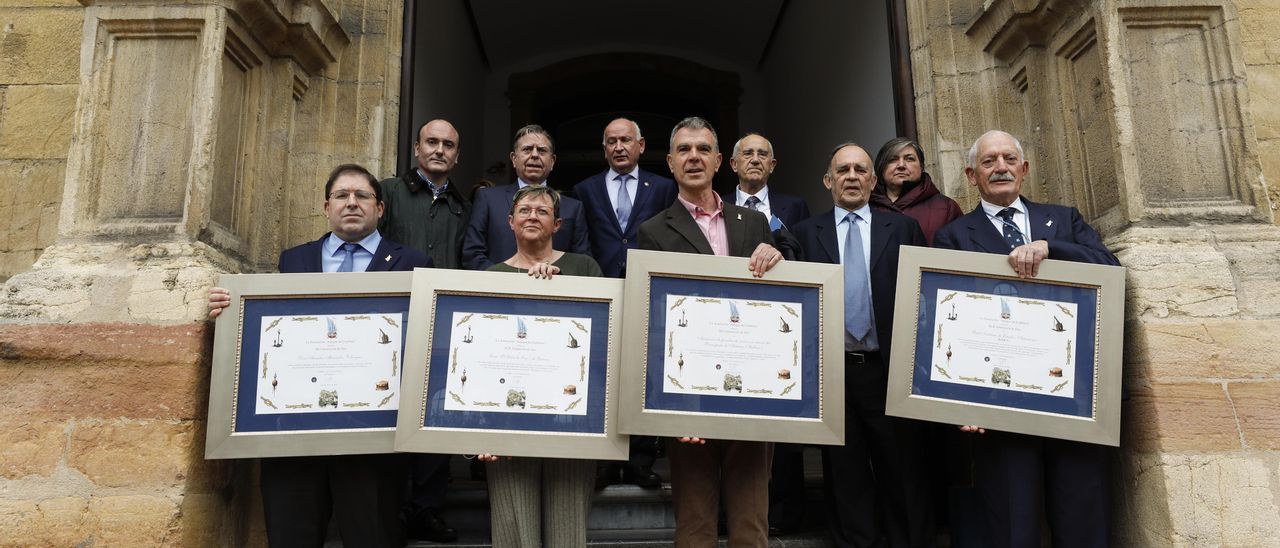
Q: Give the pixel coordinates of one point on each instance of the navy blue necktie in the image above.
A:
(348, 261)
(1011, 233)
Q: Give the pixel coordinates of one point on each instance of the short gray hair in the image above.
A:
(737, 147)
(838, 148)
(973, 150)
(694, 122)
(634, 126)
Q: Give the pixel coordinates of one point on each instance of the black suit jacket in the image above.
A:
(675, 230)
(889, 231)
(786, 207)
(489, 238)
(391, 256)
(1068, 236)
(609, 243)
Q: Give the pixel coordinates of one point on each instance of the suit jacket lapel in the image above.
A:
(643, 194)
(1043, 225)
(879, 239)
(735, 231)
(827, 236)
(383, 258)
(679, 219)
(983, 234)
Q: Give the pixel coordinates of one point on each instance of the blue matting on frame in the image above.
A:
(597, 364)
(247, 420)
(1086, 298)
(808, 297)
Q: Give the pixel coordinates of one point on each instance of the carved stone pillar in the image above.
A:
(179, 155)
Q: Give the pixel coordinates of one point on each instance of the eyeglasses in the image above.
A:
(526, 211)
(344, 195)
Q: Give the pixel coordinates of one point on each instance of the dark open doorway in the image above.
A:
(805, 74)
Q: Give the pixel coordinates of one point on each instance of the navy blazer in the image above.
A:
(609, 243)
(889, 231)
(489, 238)
(1069, 237)
(788, 208)
(391, 256)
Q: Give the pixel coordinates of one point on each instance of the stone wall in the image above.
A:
(1156, 120)
(1260, 42)
(147, 147)
(39, 64)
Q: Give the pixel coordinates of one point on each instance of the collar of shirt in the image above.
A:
(436, 190)
(521, 183)
(842, 230)
(1023, 222)
(363, 255)
(612, 176)
(740, 197)
(697, 211)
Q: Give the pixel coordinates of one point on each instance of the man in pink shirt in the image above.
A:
(700, 222)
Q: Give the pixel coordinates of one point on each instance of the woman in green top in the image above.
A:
(540, 502)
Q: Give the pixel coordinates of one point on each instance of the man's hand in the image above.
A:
(693, 441)
(973, 429)
(1025, 259)
(544, 270)
(763, 258)
(219, 298)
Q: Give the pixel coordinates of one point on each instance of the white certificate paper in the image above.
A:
(329, 363)
(1004, 342)
(733, 347)
(519, 364)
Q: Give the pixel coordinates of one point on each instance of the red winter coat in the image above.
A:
(923, 203)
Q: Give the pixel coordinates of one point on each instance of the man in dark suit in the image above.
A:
(1021, 475)
(700, 222)
(616, 202)
(489, 238)
(361, 491)
(875, 486)
(753, 161)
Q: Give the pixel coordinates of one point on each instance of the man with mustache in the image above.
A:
(876, 482)
(701, 222)
(489, 238)
(1020, 475)
(615, 203)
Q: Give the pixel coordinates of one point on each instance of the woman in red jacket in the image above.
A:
(905, 187)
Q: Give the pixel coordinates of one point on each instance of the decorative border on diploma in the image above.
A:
(975, 344)
(713, 352)
(274, 324)
(511, 365)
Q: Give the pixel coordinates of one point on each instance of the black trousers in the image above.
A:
(362, 492)
(877, 484)
(1023, 477)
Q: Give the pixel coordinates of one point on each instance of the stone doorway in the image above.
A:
(805, 74)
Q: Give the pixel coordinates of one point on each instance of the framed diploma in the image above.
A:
(975, 344)
(511, 365)
(307, 364)
(713, 352)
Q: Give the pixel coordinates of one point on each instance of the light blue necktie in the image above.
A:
(624, 201)
(857, 293)
(348, 261)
